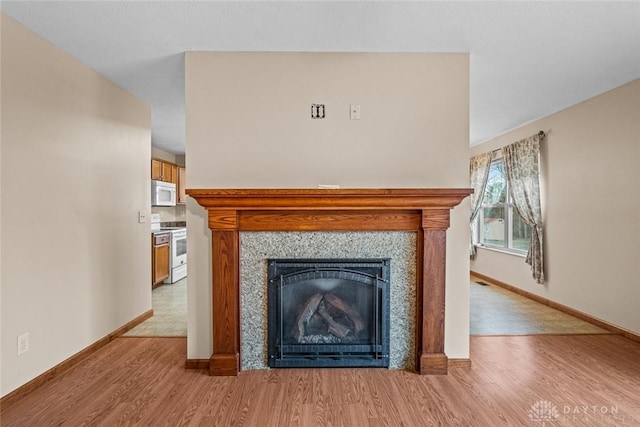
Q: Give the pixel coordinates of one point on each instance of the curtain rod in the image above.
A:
(541, 134)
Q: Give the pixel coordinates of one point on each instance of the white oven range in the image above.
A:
(177, 254)
(177, 249)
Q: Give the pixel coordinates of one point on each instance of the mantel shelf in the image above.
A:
(329, 199)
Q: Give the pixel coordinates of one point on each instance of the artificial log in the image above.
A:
(337, 329)
(310, 308)
(350, 312)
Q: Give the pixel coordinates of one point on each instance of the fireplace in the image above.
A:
(424, 211)
(328, 313)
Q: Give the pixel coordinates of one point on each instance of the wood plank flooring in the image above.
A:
(588, 379)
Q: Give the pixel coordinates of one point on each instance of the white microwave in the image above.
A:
(163, 193)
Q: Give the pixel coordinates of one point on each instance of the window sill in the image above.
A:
(503, 251)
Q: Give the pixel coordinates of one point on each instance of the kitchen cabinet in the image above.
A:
(182, 185)
(164, 171)
(156, 169)
(160, 253)
(174, 175)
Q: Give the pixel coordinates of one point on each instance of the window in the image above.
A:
(499, 224)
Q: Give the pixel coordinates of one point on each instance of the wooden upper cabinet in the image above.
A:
(164, 171)
(167, 174)
(174, 174)
(182, 185)
(156, 169)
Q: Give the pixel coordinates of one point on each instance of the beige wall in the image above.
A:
(248, 125)
(591, 208)
(161, 154)
(75, 173)
(166, 156)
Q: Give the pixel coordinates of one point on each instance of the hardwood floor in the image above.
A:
(589, 380)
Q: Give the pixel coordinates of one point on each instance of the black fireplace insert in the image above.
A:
(328, 312)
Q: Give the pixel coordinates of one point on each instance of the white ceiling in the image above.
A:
(528, 59)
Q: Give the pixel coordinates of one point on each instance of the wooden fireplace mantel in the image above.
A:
(423, 210)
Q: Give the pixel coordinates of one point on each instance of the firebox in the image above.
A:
(328, 312)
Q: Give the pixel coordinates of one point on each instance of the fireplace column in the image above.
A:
(225, 251)
(432, 359)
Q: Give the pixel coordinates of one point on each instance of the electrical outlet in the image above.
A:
(355, 111)
(142, 217)
(23, 343)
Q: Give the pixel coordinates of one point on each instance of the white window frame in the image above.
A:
(508, 221)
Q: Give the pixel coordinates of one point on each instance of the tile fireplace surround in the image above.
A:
(256, 248)
(424, 211)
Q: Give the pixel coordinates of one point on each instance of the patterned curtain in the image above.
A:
(523, 177)
(478, 174)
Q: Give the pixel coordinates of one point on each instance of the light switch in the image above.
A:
(142, 217)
